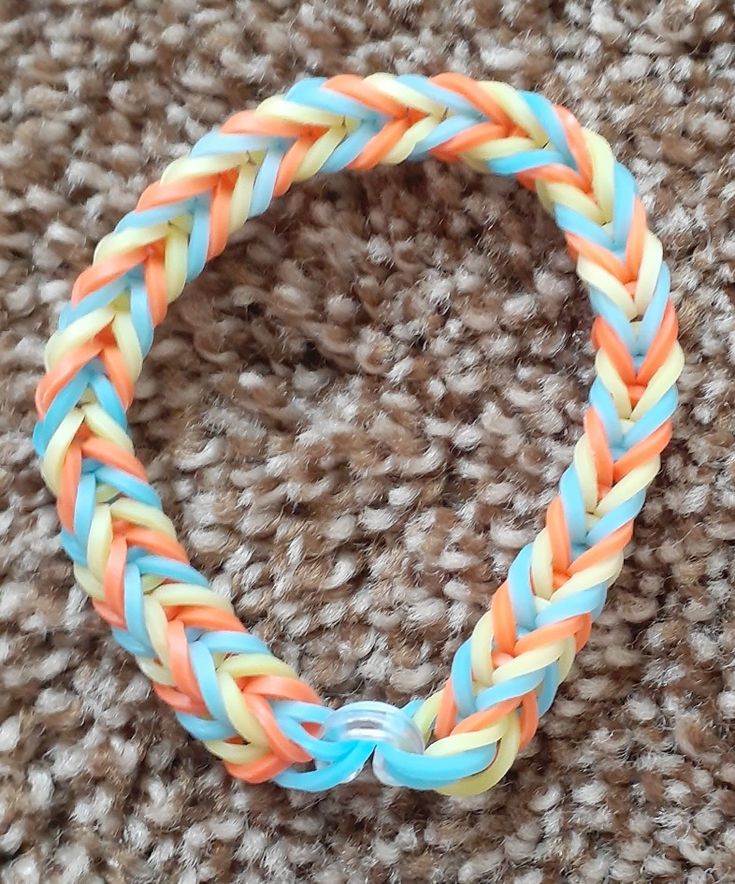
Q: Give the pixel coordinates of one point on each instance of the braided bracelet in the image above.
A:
(226, 688)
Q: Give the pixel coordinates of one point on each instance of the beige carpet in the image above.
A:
(356, 417)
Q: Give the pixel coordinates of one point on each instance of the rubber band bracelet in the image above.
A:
(224, 685)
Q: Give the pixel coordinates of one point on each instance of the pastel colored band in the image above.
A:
(225, 686)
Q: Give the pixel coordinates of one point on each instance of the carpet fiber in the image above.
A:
(356, 417)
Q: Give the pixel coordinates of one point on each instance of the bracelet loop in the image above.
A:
(224, 684)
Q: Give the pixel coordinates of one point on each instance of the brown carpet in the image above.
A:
(356, 417)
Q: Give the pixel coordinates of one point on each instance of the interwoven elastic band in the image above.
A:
(226, 688)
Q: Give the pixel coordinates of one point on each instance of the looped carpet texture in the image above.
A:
(370, 398)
